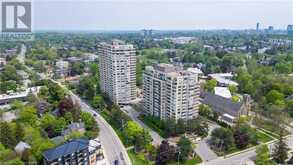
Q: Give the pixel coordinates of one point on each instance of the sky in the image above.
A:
(160, 14)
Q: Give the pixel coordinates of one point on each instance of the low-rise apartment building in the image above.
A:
(76, 152)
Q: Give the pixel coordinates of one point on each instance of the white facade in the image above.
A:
(170, 92)
(117, 64)
(2, 62)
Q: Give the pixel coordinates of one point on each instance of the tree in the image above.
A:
(210, 85)
(6, 135)
(280, 152)
(44, 92)
(283, 67)
(180, 127)
(166, 153)
(170, 128)
(94, 69)
(19, 132)
(233, 89)
(14, 162)
(132, 130)
(77, 68)
(73, 135)
(37, 142)
(205, 110)
(17, 105)
(197, 126)
(87, 88)
(29, 115)
(142, 140)
(98, 102)
(185, 148)
(4, 153)
(222, 139)
(244, 135)
(47, 120)
(56, 93)
(66, 105)
(262, 155)
(10, 85)
(52, 125)
(9, 73)
(88, 120)
(275, 97)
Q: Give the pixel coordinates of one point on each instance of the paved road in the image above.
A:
(202, 148)
(133, 114)
(114, 148)
(240, 159)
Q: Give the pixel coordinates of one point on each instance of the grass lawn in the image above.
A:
(138, 159)
(263, 137)
(193, 161)
(268, 125)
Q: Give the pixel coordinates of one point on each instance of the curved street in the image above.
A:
(113, 146)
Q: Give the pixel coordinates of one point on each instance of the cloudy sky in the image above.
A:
(160, 14)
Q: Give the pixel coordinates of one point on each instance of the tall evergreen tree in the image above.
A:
(280, 153)
(6, 135)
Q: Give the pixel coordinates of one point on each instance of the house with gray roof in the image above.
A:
(74, 127)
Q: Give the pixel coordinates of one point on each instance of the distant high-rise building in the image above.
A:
(290, 29)
(117, 64)
(257, 26)
(270, 29)
(170, 92)
(147, 33)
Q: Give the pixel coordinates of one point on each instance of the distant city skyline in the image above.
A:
(160, 14)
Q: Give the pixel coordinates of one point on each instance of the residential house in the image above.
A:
(21, 147)
(223, 79)
(62, 68)
(74, 127)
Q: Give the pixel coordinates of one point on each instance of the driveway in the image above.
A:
(202, 148)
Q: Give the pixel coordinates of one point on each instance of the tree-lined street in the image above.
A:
(113, 146)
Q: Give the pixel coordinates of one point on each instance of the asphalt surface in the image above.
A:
(113, 146)
(240, 159)
(202, 148)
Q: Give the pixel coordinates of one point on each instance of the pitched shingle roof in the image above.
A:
(66, 149)
(221, 104)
